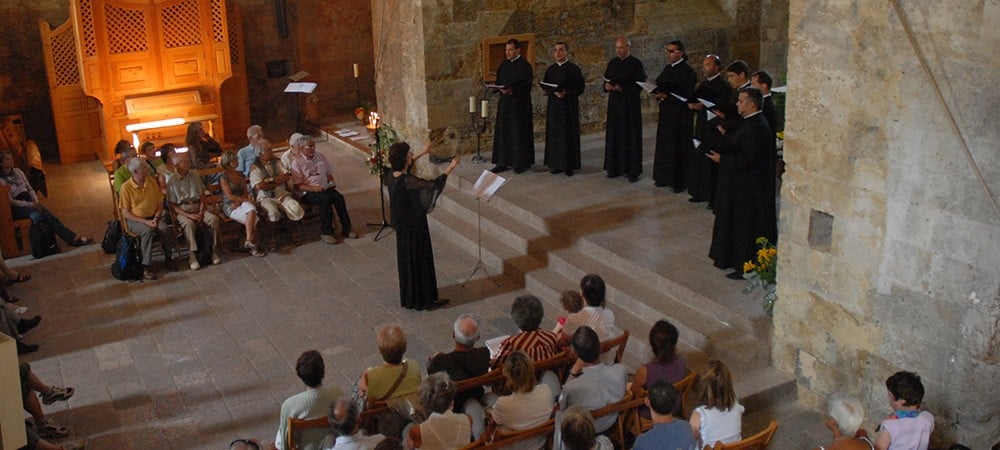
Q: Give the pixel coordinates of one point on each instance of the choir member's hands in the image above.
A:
(560, 94)
(713, 156)
(719, 113)
(722, 129)
(660, 96)
(608, 86)
(696, 106)
(506, 91)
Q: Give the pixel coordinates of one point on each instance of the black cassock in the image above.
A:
(703, 173)
(744, 203)
(623, 136)
(513, 136)
(410, 199)
(674, 130)
(562, 117)
(770, 112)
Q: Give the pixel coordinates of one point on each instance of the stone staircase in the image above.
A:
(543, 233)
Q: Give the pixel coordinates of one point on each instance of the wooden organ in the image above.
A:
(150, 65)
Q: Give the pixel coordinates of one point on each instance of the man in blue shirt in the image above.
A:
(247, 155)
(668, 432)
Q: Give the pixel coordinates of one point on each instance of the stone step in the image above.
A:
(526, 254)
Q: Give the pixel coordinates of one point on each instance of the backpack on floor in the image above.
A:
(43, 240)
(203, 236)
(127, 265)
(112, 236)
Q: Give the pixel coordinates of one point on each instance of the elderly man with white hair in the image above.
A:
(247, 155)
(844, 417)
(141, 205)
(465, 361)
(271, 186)
(184, 192)
(292, 153)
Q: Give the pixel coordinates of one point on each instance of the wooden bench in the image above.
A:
(14, 239)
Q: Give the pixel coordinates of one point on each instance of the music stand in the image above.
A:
(296, 87)
(381, 195)
(486, 186)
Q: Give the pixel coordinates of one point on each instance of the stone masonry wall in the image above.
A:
(453, 31)
(905, 276)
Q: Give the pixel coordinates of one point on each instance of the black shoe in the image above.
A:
(659, 184)
(614, 175)
(439, 303)
(633, 178)
(678, 190)
(695, 200)
(23, 348)
(569, 173)
(499, 169)
(736, 275)
(521, 169)
(25, 325)
(556, 171)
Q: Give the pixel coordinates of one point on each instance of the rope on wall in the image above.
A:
(908, 29)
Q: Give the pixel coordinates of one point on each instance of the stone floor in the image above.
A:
(196, 359)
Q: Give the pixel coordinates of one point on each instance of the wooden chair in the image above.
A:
(759, 441)
(493, 438)
(618, 344)
(14, 238)
(684, 388)
(298, 426)
(623, 409)
(560, 364)
(637, 424)
(213, 198)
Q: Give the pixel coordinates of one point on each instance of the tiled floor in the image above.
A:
(196, 359)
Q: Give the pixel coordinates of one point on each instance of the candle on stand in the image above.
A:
(486, 109)
(356, 72)
(472, 105)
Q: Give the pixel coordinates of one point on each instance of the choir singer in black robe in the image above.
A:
(674, 130)
(744, 203)
(715, 89)
(410, 199)
(562, 116)
(623, 136)
(513, 135)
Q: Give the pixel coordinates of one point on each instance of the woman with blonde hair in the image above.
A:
(529, 403)
(720, 416)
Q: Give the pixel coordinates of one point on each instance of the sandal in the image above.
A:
(259, 253)
(21, 278)
(57, 394)
(50, 429)
(147, 275)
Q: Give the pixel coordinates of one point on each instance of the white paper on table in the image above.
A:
(359, 137)
(494, 345)
(487, 185)
(648, 87)
(304, 88)
(707, 103)
(346, 133)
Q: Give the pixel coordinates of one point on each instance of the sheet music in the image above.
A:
(494, 345)
(346, 133)
(648, 87)
(679, 97)
(696, 142)
(304, 88)
(551, 85)
(487, 185)
(709, 115)
(707, 103)
(494, 86)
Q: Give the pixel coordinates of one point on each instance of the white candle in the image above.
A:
(356, 72)
(472, 105)
(486, 109)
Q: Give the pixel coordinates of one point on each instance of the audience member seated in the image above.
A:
(344, 428)
(397, 376)
(668, 431)
(247, 155)
(908, 427)
(147, 151)
(12, 325)
(443, 429)
(313, 176)
(141, 205)
(10, 276)
(167, 169)
(389, 443)
(237, 203)
(24, 203)
(720, 416)
(123, 173)
(528, 406)
(538, 344)
(572, 302)
(466, 361)
(201, 146)
(184, 192)
(843, 419)
(314, 402)
(244, 444)
(122, 148)
(36, 442)
(271, 185)
(594, 314)
(597, 384)
(577, 431)
(44, 426)
(292, 153)
(666, 365)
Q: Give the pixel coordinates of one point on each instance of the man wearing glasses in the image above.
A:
(674, 90)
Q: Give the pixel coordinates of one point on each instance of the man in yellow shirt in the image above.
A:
(141, 205)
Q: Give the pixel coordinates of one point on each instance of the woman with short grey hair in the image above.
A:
(443, 429)
(844, 417)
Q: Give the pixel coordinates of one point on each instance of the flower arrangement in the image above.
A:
(378, 161)
(762, 273)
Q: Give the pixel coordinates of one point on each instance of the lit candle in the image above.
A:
(356, 72)
(472, 105)
(486, 109)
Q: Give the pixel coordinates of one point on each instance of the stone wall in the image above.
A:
(452, 32)
(904, 275)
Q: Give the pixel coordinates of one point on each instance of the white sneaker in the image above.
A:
(216, 259)
(195, 265)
